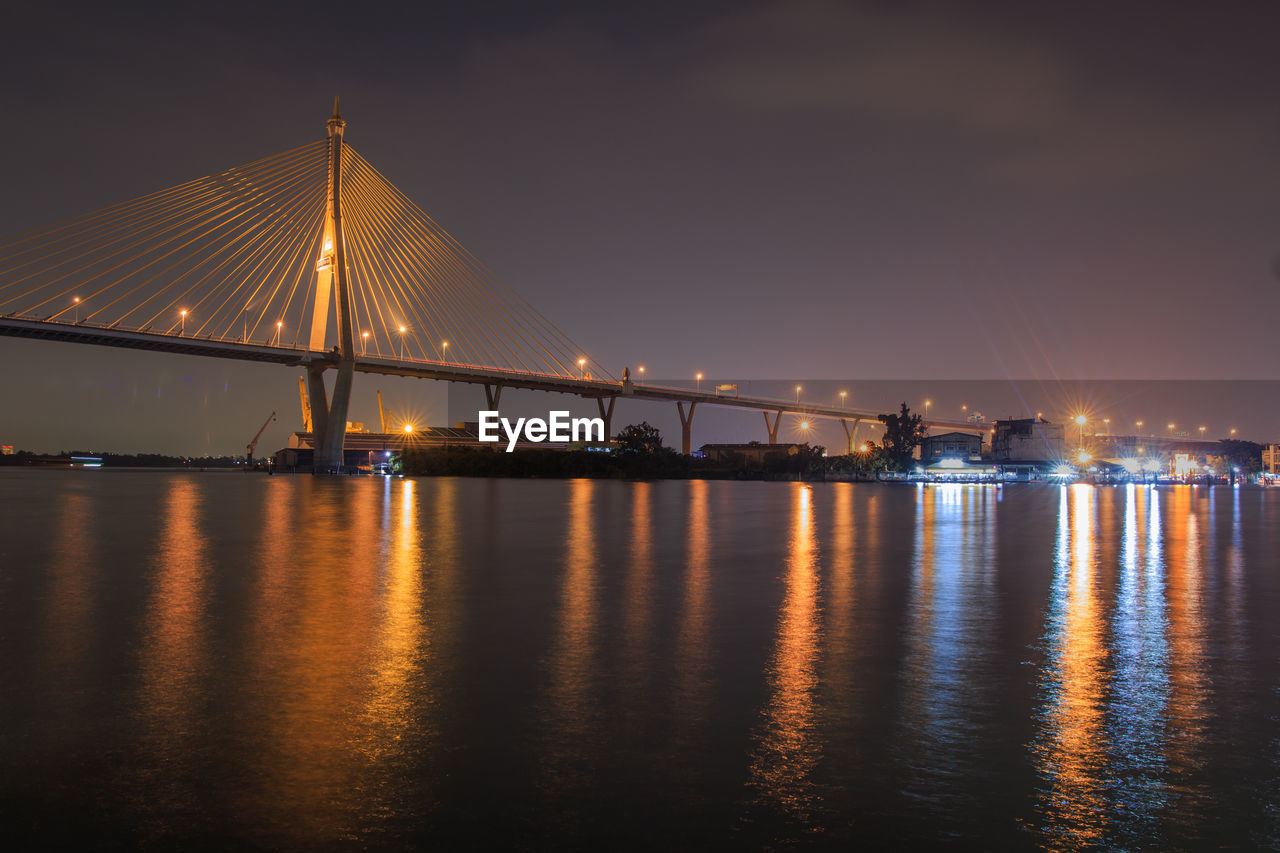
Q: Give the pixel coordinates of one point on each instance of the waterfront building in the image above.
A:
(965, 446)
(1271, 459)
(1028, 440)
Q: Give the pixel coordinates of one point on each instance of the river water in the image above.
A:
(231, 660)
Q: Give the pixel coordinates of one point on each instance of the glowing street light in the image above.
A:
(402, 331)
(804, 425)
(1233, 430)
(1202, 432)
(183, 315)
(799, 388)
(582, 367)
(279, 328)
(408, 428)
(364, 342)
(1171, 426)
(862, 448)
(1139, 426)
(444, 347)
(642, 374)
(927, 404)
(76, 301)
(843, 394)
(1039, 416)
(1081, 420)
(698, 379)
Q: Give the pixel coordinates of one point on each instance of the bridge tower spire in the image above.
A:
(329, 421)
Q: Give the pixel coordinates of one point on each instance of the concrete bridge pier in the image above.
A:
(318, 401)
(335, 433)
(492, 394)
(606, 415)
(772, 427)
(850, 436)
(686, 427)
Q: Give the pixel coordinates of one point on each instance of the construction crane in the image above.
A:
(306, 404)
(254, 444)
(382, 414)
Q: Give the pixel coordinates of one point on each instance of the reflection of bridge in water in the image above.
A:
(311, 258)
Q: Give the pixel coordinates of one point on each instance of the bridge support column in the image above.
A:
(772, 427)
(606, 415)
(850, 436)
(318, 403)
(335, 433)
(493, 393)
(686, 427)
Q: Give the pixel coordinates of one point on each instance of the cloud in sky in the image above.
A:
(1044, 115)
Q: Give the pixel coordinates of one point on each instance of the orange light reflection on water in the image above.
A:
(1073, 753)
(787, 750)
(570, 715)
(692, 651)
(174, 651)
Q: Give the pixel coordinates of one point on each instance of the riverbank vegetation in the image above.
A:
(639, 453)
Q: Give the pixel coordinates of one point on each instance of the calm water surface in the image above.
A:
(231, 660)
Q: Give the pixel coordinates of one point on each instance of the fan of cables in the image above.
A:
(233, 257)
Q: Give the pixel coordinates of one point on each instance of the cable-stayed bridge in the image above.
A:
(311, 258)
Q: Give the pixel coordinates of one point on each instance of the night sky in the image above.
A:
(750, 190)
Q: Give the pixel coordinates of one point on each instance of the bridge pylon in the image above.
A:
(329, 418)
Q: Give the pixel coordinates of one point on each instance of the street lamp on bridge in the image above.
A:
(642, 374)
(76, 301)
(799, 388)
(1081, 420)
(182, 330)
(843, 394)
(698, 379)
(582, 368)
(402, 330)
(444, 348)
(279, 328)
(364, 342)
